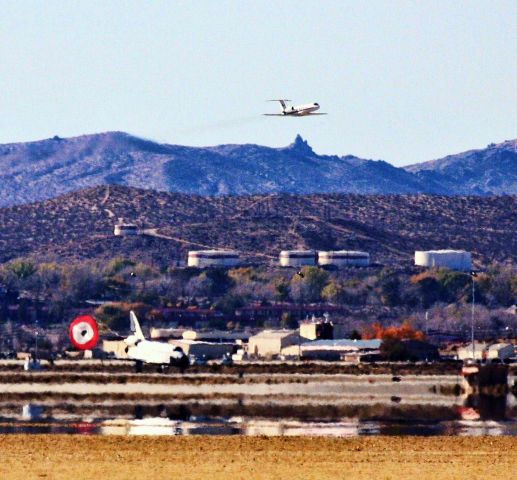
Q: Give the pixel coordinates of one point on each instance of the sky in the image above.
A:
(402, 81)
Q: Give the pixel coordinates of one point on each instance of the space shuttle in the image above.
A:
(144, 351)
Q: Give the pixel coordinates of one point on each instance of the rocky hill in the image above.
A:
(44, 169)
(489, 171)
(391, 227)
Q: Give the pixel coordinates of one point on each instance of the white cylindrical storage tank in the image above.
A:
(297, 258)
(452, 259)
(341, 258)
(125, 229)
(209, 258)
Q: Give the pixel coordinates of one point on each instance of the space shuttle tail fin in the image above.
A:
(135, 326)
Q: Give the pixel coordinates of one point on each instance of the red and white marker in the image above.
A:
(84, 332)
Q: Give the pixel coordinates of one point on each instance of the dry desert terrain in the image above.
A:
(27, 457)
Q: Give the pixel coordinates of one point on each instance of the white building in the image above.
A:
(336, 349)
(209, 258)
(220, 336)
(125, 229)
(465, 352)
(484, 351)
(502, 351)
(297, 258)
(271, 342)
(453, 259)
(341, 258)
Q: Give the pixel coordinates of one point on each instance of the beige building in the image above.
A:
(502, 351)
(117, 347)
(166, 333)
(484, 351)
(222, 336)
(271, 342)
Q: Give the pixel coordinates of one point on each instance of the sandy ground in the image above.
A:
(75, 457)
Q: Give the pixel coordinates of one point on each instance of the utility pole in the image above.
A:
(473, 274)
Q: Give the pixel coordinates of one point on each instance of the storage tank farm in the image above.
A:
(213, 258)
(343, 258)
(452, 259)
(297, 258)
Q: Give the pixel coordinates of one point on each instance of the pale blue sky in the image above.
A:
(405, 81)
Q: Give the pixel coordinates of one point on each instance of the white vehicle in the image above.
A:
(298, 111)
(147, 351)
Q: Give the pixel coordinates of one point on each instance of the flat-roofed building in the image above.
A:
(336, 349)
(465, 353)
(207, 350)
(166, 333)
(271, 342)
(220, 336)
(485, 351)
(316, 329)
(115, 346)
(502, 351)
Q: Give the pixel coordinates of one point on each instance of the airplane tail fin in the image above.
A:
(281, 100)
(135, 326)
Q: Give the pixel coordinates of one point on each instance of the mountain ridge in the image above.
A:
(42, 169)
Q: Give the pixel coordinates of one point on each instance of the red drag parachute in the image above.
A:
(84, 332)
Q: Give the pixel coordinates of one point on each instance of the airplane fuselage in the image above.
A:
(301, 110)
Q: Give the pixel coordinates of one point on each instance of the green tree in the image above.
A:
(454, 285)
(389, 288)
(144, 274)
(229, 303)
(308, 285)
(200, 286)
(429, 290)
(288, 321)
(22, 269)
(281, 289)
(117, 265)
(19, 274)
(221, 281)
(394, 350)
(335, 292)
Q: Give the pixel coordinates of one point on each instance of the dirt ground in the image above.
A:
(25, 457)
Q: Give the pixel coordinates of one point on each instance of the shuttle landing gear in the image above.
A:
(139, 366)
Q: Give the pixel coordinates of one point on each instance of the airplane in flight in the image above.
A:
(148, 351)
(298, 111)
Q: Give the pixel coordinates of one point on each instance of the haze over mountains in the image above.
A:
(44, 169)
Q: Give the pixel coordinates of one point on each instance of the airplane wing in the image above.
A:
(316, 114)
(274, 114)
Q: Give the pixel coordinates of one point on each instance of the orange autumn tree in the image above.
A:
(402, 332)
